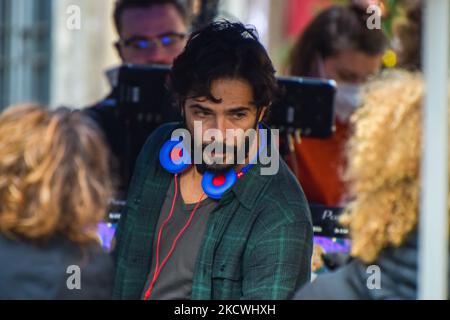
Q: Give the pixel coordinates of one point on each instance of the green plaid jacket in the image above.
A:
(257, 244)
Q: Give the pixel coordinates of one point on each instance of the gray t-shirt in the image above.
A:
(175, 278)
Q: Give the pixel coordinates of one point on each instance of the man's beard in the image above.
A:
(223, 165)
(224, 149)
(221, 168)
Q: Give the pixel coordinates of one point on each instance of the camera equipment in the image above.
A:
(305, 104)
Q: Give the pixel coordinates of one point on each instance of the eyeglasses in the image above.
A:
(165, 40)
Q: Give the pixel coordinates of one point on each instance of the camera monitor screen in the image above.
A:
(331, 241)
(305, 104)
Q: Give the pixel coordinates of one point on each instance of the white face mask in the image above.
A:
(346, 101)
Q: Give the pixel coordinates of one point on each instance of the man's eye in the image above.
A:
(140, 44)
(239, 115)
(166, 41)
(201, 113)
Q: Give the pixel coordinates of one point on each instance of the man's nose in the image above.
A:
(158, 56)
(220, 125)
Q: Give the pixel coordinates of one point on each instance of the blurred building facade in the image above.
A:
(81, 51)
(55, 51)
(25, 50)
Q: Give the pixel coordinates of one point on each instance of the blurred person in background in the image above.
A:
(408, 36)
(54, 186)
(384, 156)
(337, 45)
(150, 32)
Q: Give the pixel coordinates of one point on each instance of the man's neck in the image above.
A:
(191, 185)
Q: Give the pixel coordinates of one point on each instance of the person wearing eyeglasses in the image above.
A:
(149, 32)
(159, 49)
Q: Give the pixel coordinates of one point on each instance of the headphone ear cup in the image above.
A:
(174, 157)
(215, 185)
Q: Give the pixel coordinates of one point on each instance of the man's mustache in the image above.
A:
(222, 148)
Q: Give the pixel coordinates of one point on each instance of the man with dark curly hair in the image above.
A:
(179, 238)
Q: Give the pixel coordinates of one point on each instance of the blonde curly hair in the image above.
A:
(384, 164)
(54, 174)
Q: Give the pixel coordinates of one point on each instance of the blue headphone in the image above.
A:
(175, 159)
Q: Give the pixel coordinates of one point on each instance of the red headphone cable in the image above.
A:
(157, 267)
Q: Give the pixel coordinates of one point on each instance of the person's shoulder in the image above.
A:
(18, 279)
(96, 269)
(342, 284)
(286, 178)
(91, 256)
(54, 261)
(287, 201)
